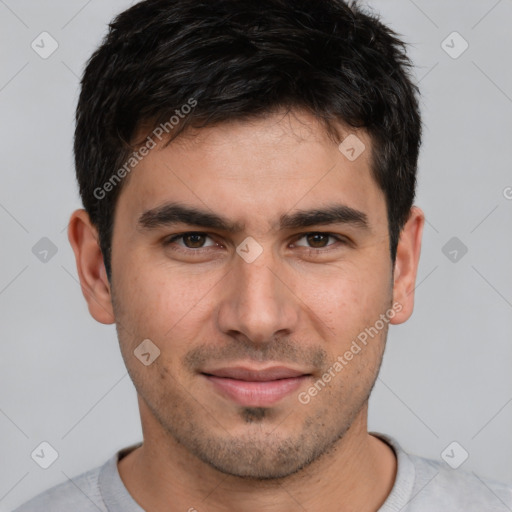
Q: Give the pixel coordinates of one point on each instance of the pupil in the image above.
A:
(317, 240)
(194, 239)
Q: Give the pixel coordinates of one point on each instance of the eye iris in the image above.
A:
(317, 240)
(193, 240)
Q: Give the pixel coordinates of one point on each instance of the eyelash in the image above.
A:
(169, 241)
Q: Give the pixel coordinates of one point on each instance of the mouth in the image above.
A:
(256, 387)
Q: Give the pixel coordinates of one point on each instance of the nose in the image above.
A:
(258, 302)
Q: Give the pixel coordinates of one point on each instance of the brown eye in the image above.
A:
(194, 240)
(317, 240)
(190, 240)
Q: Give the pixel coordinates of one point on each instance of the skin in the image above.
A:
(288, 307)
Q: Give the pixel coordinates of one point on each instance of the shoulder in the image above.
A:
(427, 485)
(439, 485)
(80, 493)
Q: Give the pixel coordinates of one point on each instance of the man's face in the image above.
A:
(219, 316)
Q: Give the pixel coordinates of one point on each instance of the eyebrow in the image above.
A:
(175, 213)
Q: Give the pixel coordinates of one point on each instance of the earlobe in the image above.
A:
(83, 237)
(406, 264)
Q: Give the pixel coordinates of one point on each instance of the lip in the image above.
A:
(256, 387)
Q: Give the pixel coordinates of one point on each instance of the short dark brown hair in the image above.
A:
(239, 59)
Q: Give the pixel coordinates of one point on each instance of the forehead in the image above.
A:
(255, 171)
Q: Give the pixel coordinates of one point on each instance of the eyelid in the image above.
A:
(170, 239)
(339, 238)
(177, 236)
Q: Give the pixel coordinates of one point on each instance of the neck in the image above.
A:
(357, 474)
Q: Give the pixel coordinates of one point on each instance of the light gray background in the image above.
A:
(446, 373)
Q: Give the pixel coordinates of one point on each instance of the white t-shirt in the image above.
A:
(421, 485)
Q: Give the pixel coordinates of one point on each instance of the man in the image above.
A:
(248, 173)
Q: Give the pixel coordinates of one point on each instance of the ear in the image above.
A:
(84, 240)
(406, 264)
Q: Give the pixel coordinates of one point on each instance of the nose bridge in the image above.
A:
(258, 281)
(257, 303)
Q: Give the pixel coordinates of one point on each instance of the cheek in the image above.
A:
(164, 301)
(167, 308)
(346, 298)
